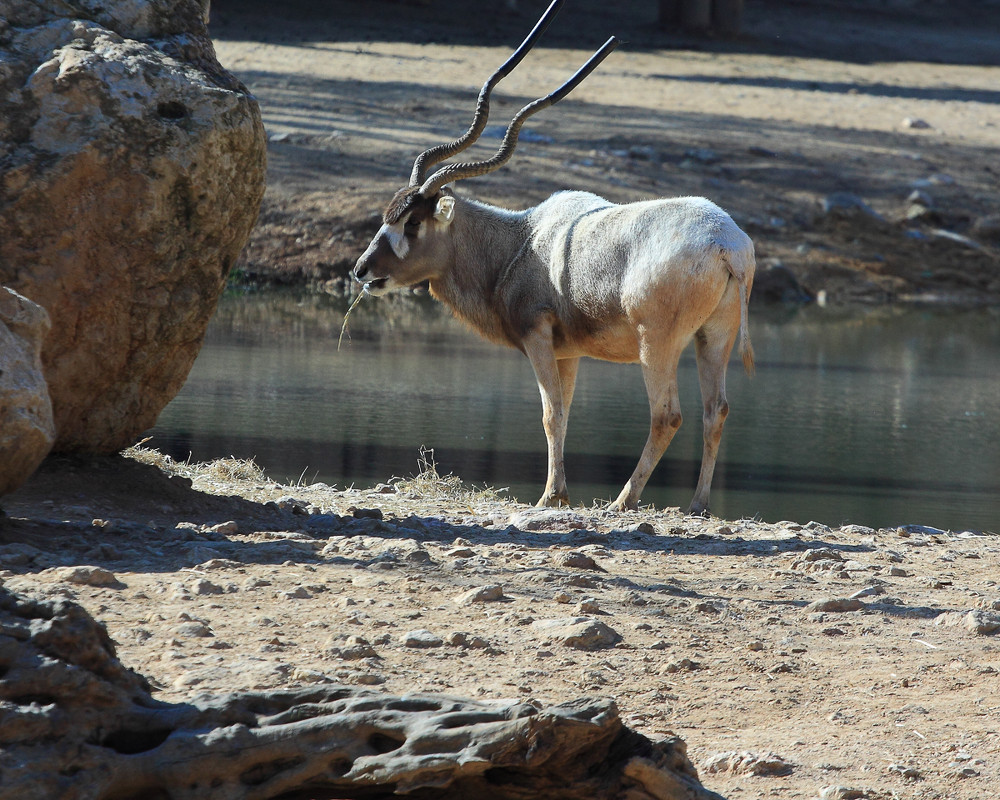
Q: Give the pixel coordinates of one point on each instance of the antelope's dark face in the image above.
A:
(413, 244)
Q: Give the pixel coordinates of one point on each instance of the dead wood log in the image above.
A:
(77, 725)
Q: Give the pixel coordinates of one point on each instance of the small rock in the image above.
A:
(204, 587)
(907, 772)
(588, 606)
(354, 649)
(821, 554)
(868, 591)
(835, 604)
(367, 679)
(421, 638)
(745, 763)
(298, 593)
(547, 519)
(684, 665)
(229, 528)
(461, 552)
(915, 123)
(194, 630)
(578, 560)
(309, 676)
(580, 633)
(845, 204)
(842, 793)
(976, 622)
(86, 576)
(562, 597)
(366, 513)
(483, 594)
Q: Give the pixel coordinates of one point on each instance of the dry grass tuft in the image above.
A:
(428, 484)
(222, 470)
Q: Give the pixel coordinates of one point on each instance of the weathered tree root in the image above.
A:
(77, 725)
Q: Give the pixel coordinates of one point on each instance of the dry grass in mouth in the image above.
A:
(343, 328)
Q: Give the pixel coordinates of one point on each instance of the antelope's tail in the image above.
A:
(742, 265)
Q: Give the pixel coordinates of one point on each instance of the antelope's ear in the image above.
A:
(444, 212)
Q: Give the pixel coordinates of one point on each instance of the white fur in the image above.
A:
(397, 239)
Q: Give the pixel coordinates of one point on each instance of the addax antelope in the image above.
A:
(577, 276)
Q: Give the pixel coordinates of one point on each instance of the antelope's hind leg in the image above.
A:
(659, 370)
(713, 345)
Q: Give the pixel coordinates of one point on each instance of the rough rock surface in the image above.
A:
(62, 684)
(132, 172)
(26, 429)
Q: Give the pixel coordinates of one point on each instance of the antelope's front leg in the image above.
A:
(538, 348)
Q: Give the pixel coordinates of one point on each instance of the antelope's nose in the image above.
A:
(359, 271)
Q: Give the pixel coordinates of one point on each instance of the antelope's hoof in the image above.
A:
(698, 510)
(553, 500)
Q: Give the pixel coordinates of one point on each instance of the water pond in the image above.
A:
(877, 417)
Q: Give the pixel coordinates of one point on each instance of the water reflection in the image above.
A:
(881, 417)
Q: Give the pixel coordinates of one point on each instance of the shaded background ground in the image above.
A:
(811, 102)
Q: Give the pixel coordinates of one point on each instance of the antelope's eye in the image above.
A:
(411, 226)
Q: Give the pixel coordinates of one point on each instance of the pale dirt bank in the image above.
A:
(235, 582)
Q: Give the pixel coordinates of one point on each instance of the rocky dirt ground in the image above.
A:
(858, 145)
(796, 660)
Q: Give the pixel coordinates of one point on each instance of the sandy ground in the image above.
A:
(809, 105)
(791, 657)
(887, 689)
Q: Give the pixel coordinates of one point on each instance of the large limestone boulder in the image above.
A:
(131, 172)
(26, 429)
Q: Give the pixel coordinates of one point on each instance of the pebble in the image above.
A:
(461, 552)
